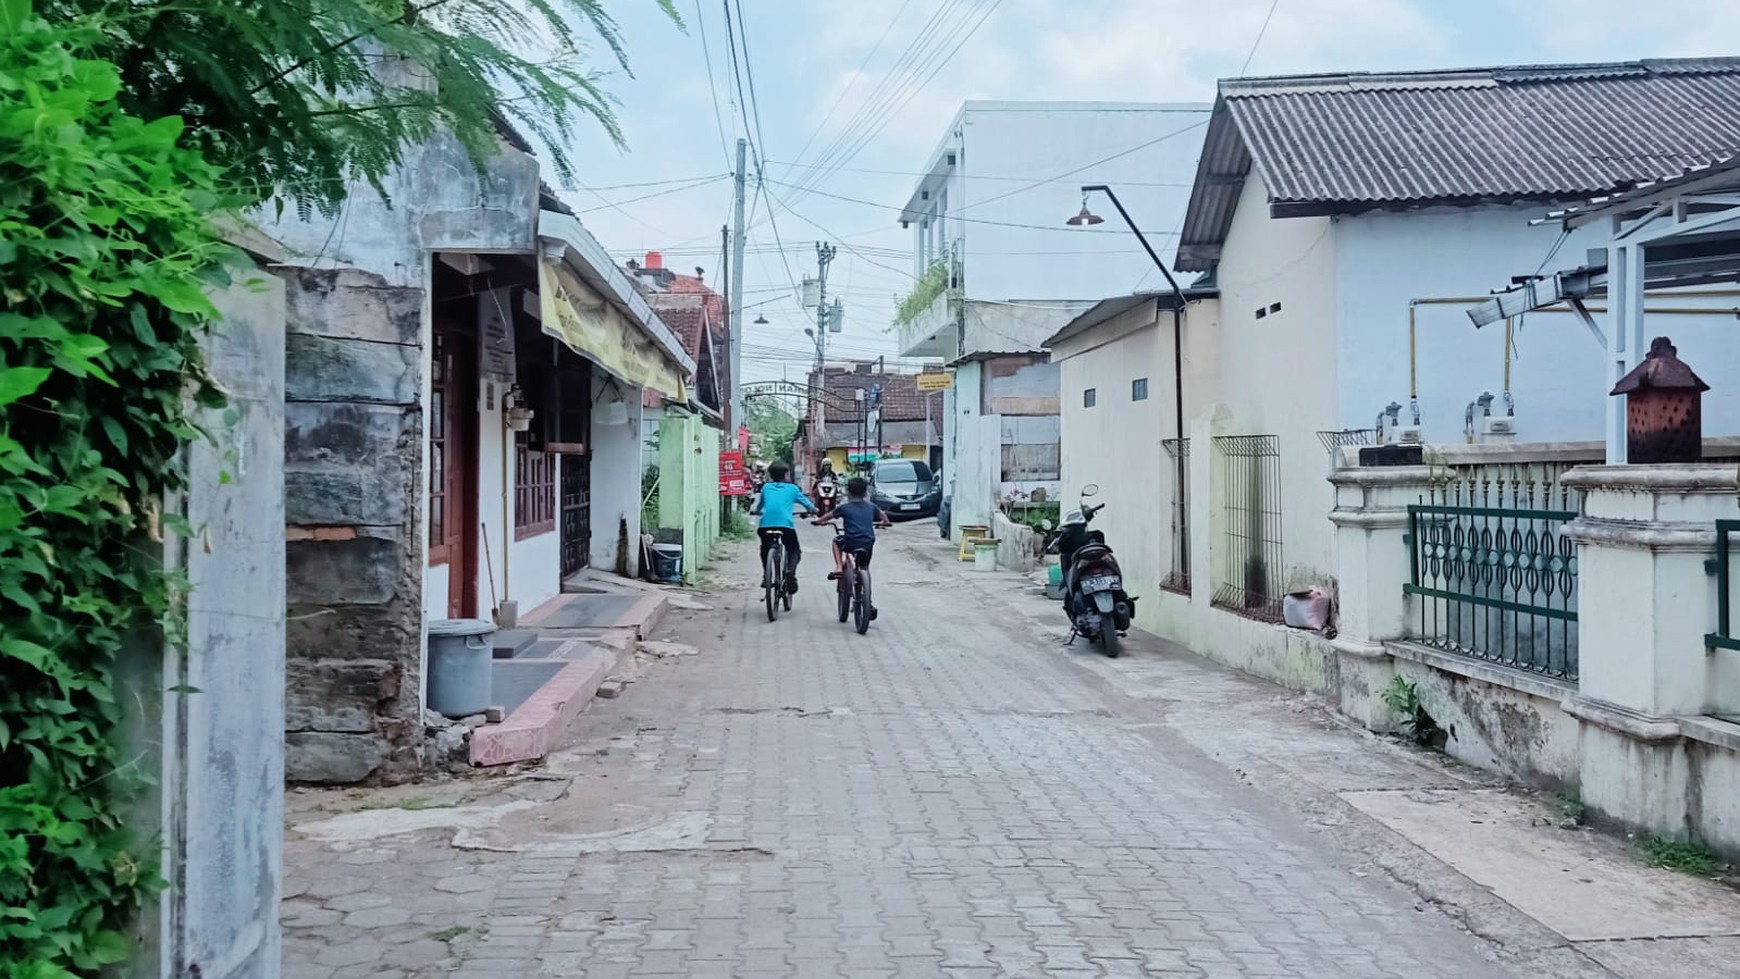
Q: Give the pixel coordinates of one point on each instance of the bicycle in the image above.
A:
(773, 574)
(853, 587)
(853, 584)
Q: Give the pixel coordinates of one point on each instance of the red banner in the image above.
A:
(733, 479)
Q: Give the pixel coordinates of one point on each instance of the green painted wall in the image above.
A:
(689, 486)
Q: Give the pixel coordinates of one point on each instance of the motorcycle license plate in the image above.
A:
(1101, 583)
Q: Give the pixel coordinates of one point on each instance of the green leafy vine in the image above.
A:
(105, 259)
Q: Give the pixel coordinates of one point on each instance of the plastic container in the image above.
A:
(668, 562)
(984, 555)
(461, 654)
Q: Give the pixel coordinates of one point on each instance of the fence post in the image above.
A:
(1646, 603)
(1372, 565)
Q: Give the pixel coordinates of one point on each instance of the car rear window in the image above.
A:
(903, 471)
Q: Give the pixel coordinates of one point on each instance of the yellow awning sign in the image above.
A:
(598, 331)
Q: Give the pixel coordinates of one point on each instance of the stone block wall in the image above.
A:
(353, 450)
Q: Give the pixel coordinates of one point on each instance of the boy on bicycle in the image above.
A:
(774, 503)
(858, 519)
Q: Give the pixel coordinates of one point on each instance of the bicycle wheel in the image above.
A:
(862, 608)
(844, 588)
(775, 571)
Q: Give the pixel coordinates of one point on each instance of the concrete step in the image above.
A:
(578, 615)
(510, 643)
(532, 728)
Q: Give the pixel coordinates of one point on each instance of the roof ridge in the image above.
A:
(1492, 75)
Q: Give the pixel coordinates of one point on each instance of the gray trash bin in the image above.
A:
(461, 652)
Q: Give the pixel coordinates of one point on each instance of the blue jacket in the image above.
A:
(777, 500)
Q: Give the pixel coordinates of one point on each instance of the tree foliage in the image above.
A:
(295, 98)
(105, 255)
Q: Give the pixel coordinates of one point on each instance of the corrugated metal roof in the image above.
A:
(1335, 143)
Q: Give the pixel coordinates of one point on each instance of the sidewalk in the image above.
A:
(957, 795)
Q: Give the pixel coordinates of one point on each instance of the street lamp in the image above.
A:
(1088, 218)
(761, 319)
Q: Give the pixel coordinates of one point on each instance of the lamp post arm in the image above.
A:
(1176, 292)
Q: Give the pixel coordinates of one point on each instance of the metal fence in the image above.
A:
(1178, 572)
(1493, 575)
(1725, 636)
(1248, 570)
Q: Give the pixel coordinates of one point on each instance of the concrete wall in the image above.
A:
(354, 450)
(1558, 378)
(218, 747)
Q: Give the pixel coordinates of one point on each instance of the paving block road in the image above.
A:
(954, 795)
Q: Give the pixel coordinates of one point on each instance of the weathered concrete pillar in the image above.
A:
(1645, 603)
(1371, 525)
(353, 449)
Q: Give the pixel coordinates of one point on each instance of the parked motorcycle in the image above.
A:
(1093, 585)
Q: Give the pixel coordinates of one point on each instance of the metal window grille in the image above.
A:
(1248, 569)
(1178, 572)
(1491, 571)
(534, 490)
(1139, 389)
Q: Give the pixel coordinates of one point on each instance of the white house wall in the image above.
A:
(1558, 376)
(616, 469)
(1117, 444)
(1012, 155)
(1278, 374)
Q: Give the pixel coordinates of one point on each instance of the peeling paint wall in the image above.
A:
(208, 718)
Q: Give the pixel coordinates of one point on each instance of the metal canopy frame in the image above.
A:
(1678, 232)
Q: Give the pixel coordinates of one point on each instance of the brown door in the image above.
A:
(452, 461)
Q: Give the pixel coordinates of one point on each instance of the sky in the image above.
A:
(869, 86)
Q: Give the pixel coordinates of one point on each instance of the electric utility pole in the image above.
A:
(824, 257)
(738, 417)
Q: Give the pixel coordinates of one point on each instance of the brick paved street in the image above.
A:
(953, 795)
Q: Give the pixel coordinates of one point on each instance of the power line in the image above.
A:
(1260, 32)
(872, 103)
(912, 90)
(1000, 224)
(1105, 159)
(647, 197)
(855, 76)
(986, 176)
(712, 86)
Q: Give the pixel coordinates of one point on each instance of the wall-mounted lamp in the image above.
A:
(519, 416)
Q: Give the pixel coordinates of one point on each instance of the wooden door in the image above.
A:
(452, 421)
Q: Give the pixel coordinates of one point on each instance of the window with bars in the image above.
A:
(534, 489)
(1178, 572)
(1248, 569)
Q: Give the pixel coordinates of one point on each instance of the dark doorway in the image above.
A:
(574, 440)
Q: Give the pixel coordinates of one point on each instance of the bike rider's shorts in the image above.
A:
(863, 548)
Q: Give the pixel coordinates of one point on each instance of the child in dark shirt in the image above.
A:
(858, 519)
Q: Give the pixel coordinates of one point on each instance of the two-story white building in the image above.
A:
(999, 270)
(1343, 226)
